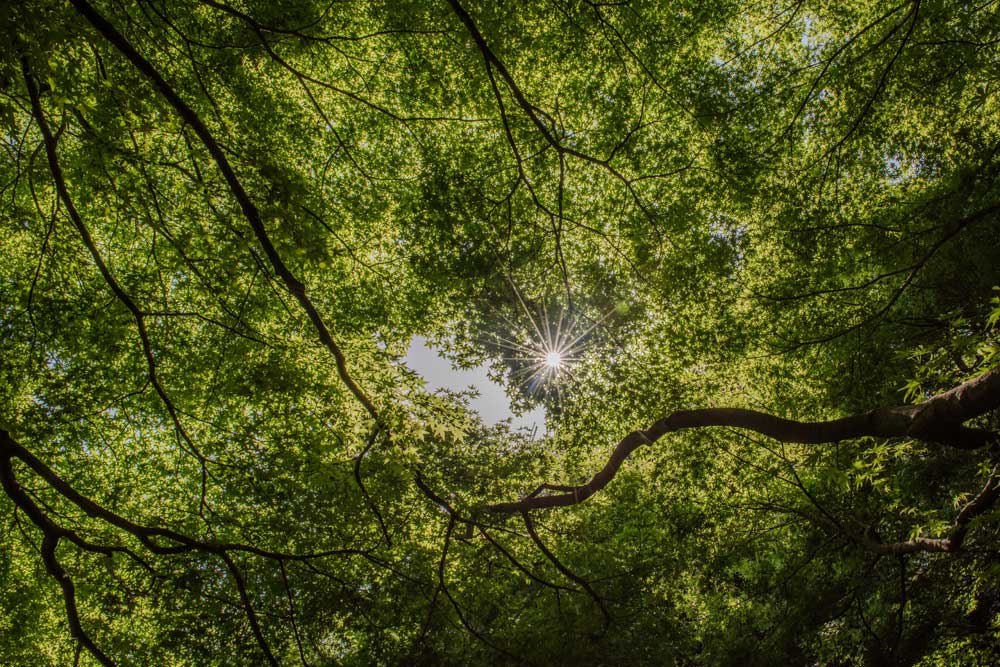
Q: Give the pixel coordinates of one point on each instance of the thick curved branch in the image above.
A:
(55, 569)
(939, 419)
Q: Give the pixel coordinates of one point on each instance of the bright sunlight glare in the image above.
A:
(547, 354)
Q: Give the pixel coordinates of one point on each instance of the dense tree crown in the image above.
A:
(746, 255)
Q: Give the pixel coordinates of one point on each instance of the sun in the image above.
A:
(547, 344)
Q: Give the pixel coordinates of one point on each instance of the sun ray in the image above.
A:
(524, 307)
(512, 346)
(591, 328)
(545, 325)
(553, 343)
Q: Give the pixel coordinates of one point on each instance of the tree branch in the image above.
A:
(248, 607)
(250, 211)
(116, 288)
(10, 448)
(51, 534)
(939, 419)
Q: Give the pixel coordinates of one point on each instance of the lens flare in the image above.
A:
(544, 345)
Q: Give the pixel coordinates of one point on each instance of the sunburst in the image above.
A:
(545, 358)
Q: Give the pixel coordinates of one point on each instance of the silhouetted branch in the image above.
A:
(250, 211)
(530, 525)
(51, 534)
(119, 292)
(148, 535)
(939, 419)
(364, 491)
(248, 607)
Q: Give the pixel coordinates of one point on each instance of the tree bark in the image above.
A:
(939, 419)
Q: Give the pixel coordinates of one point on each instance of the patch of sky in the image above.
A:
(813, 40)
(492, 403)
(900, 168)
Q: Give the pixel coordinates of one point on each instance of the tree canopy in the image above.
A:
(746, 254)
